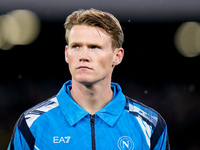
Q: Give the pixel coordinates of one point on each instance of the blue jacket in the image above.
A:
(59, 123)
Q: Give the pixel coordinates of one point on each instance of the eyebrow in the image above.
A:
(88, 44)
(75, 43)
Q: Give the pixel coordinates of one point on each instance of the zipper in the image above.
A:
(92, 122)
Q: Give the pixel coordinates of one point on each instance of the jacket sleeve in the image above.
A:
(22, 138)
(159, 138)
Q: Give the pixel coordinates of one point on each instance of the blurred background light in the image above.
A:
(187, 39)
(3, 43)
(19, 27)
(197, 39)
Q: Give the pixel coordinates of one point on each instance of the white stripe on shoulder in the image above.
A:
(32, 114)
(149, 116)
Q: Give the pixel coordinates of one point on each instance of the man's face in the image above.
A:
(90, 55)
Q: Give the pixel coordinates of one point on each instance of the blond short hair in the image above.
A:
(96, 18)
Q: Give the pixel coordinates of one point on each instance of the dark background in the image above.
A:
(152, 71)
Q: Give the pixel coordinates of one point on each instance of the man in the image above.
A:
(90, 112)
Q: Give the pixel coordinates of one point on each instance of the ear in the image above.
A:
(118, 56)
(66, 53)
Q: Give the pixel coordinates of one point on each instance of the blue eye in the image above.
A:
(75, 46)
(95, 47)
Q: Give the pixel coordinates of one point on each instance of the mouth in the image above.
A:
(84, 67)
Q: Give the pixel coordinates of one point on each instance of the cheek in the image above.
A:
(70, 62)
(106, 62)
(72, 57)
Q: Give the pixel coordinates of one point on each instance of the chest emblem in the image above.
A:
(125, 143)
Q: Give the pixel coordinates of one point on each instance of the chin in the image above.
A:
(88, 81)
(84, 80)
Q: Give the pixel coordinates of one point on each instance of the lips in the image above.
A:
(84, 67)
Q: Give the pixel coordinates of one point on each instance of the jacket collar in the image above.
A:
(74, 113)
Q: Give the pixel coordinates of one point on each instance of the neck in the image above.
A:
(92, 98)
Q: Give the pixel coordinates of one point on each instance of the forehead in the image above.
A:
(85, 33)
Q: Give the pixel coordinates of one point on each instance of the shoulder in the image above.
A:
(147, 114)
(38, 110)
(149, 119)
(151, 122)
(22, 126)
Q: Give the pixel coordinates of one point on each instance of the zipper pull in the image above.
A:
(92, 120)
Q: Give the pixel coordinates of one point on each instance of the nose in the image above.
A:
(84, 59)
(84, 55)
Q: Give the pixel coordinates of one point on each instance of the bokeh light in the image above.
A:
(19, 27)
(187, 39)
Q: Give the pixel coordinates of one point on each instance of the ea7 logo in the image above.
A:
(61, 139)
(125, 143)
